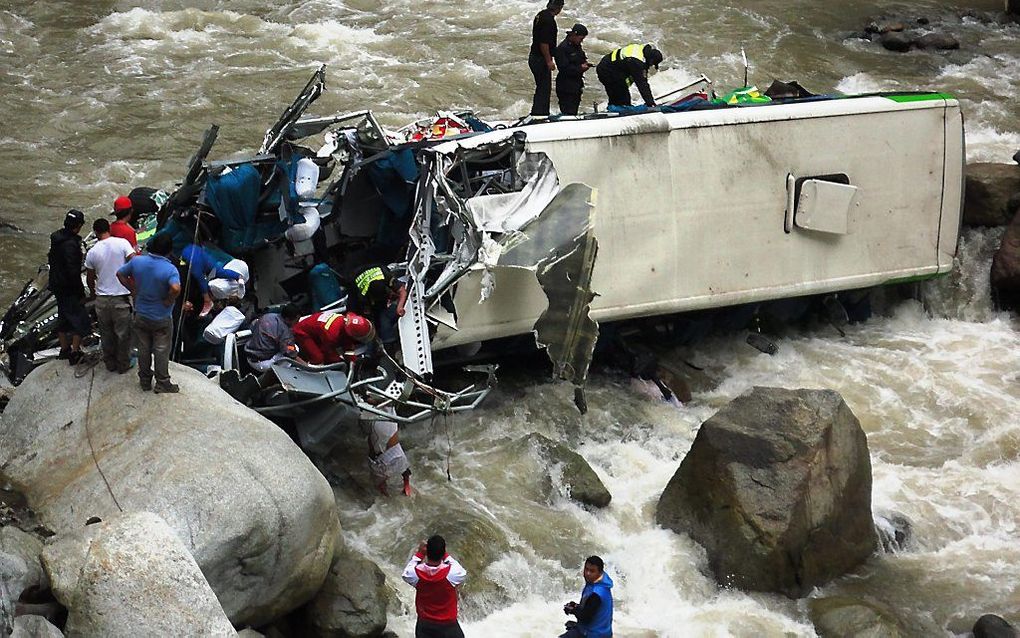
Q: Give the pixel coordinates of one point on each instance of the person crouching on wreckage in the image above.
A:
(206, 266)
(323, 336)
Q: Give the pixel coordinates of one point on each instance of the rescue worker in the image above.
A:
(123, 210)
(205, 266)
(625, 66)
(594, 612)
(272, 339)
(540, 59)
(381, 296)
(323, 336)
(65, 261)
(572, 63)
(386, 458)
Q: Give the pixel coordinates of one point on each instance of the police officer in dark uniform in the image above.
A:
(572, 63)
(540, 60)
(625, 66)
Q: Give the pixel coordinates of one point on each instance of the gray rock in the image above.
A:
(838, 617)
(249, 633)
(1005, 274)
(20, 569)
(938, 42)
(777, 488)
(252, 509)
(582, 483)
(896, 41)
(351, 603)
(132, 576)
(992, 626)
(895, 531)
(989, 187)
(34, 627)
(1012, 7)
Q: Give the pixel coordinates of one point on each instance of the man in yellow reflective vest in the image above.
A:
(625, 66)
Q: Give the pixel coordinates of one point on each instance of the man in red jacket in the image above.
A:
(436, 576)
(323, 336)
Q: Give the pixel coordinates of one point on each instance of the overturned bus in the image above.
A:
(552, 227)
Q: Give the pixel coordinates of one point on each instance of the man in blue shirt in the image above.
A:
(155, 283)
(595, 610)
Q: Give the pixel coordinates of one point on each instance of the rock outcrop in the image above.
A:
(351, 603)
(777, 488)
(839, 616)
(251, 508)
(581, 482)
(1005, 275)
(989, 187)
(132, 576)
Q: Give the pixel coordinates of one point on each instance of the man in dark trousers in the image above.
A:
(625, 66)
(65, 260)
(594, 612)
(540, 60)
(435, 576)
(572, 63)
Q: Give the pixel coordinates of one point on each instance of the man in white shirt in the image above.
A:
(113, 300)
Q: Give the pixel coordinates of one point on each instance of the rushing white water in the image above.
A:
(101, 97)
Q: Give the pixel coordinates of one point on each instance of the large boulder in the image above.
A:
(351, 603)
(992, 626)
(581, 482)
(132, 576)
(938, 41)
(1005, 274)
(989, 187)
(252, 509)
(777, 488)
(840, 616)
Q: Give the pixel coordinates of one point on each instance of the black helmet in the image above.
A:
(653, 57)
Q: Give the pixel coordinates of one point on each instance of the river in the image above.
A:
(101, 96)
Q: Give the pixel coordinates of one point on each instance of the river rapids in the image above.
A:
(98, 97)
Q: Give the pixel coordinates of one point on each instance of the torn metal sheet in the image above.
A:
(505, 212)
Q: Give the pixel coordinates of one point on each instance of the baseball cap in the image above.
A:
(121, 205)
(74, 218)
(578, 29)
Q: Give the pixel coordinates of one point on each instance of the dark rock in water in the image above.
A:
(1016, 157)
(583, 484)
(989, 187)
(351, 603)
(992, 626)
(895, 531)
(6, 225)
(896, 41)
(938, 42)
(839, 616)
(1013, 7)
(777, 488)
(1005, 274)
(923, 21)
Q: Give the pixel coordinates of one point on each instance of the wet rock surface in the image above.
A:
(989, 189)
(581, 482)
(840, 616)
(20, 567)
(257, 516)
(351, 603)
(895, 531)
(1005, 274)
(132, 576)
(777, 489)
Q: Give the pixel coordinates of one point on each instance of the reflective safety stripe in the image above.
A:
(365, 279)
(332, 317)
(629, 51)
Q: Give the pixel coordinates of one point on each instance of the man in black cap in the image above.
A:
(540, 60)
(572, 63)
(65, 261)
(625, 66)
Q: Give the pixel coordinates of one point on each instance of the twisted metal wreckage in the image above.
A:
(490, 206)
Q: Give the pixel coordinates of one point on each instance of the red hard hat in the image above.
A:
(359, 328)
(122, 204)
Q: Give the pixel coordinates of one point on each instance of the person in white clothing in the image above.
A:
(386, 458)
(113, 300)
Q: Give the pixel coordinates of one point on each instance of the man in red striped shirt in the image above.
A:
(436, 576)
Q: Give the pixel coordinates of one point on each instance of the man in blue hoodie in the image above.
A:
(595, 611)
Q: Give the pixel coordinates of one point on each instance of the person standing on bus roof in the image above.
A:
(540, 59)
(572, 63)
